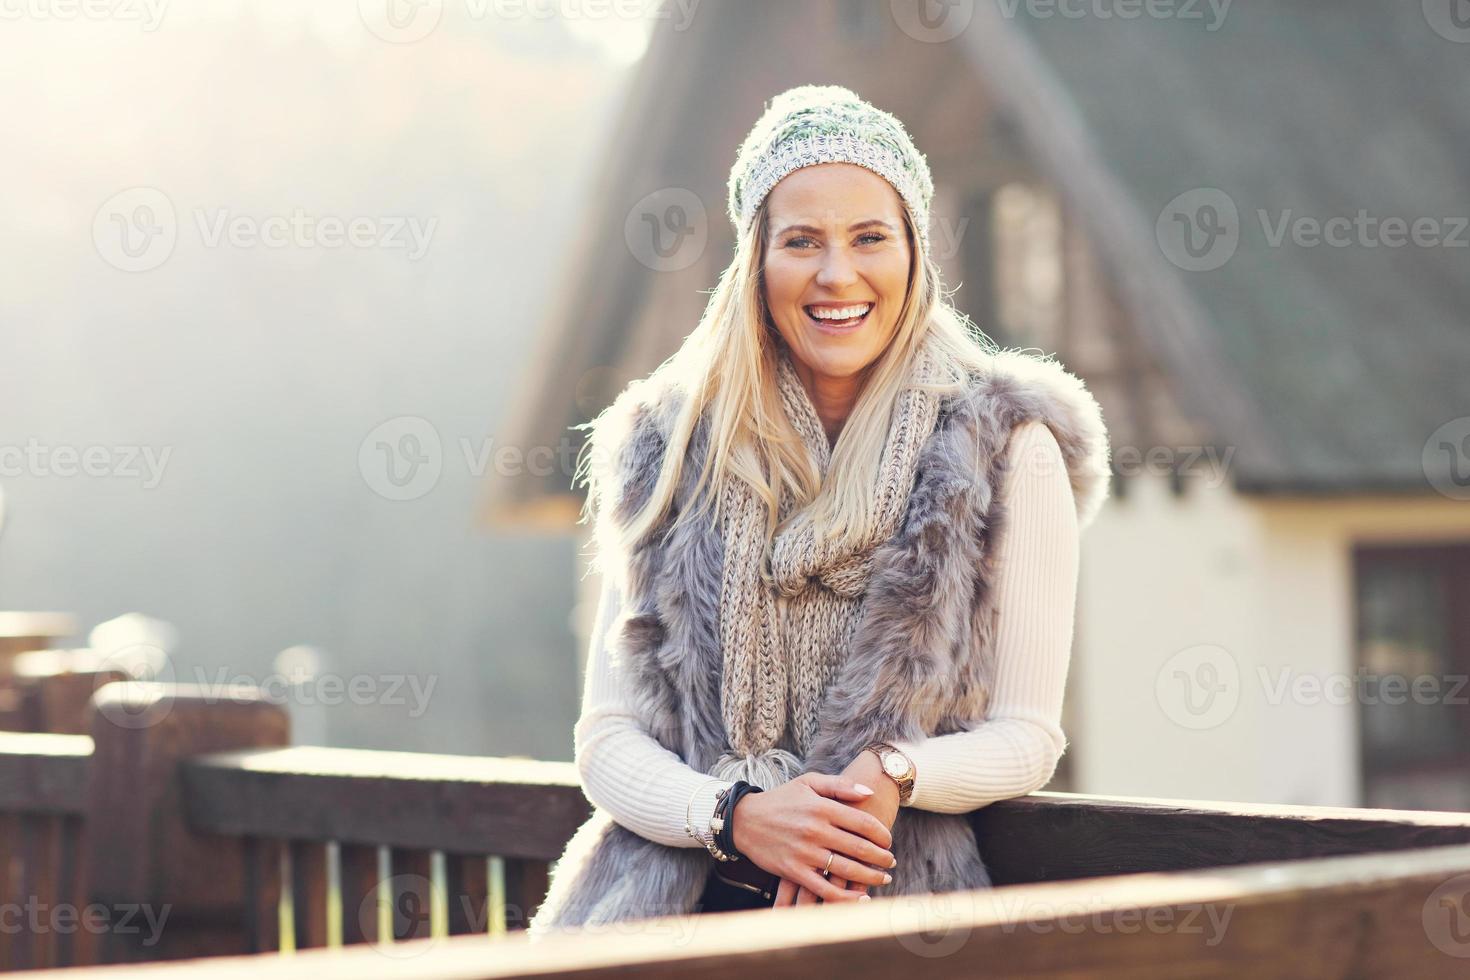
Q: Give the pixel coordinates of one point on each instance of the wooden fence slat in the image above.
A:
(469, 893)
(359, 877)
(10, 883)
(42, 906)
(80, 946)
(309, 892)
(526, 883)
(411, 900)
(24, 949)
(262, 874)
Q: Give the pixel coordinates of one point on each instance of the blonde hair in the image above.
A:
(727, 368)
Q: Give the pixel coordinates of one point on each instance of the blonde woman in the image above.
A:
(838, 532)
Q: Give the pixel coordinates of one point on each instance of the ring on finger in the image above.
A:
(827, 871)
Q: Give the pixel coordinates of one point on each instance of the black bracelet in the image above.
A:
(725, 838)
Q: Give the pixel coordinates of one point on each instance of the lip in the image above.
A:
(824, 326)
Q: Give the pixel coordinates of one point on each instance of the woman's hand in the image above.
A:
(790, 831)
(867, 770)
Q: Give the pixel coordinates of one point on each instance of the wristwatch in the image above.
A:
(897, 766)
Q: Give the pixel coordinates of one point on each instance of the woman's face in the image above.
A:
(837, 245)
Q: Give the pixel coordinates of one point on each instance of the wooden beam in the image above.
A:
(44, 773)
(1376, 915)
(1062, 836)
(514, 808)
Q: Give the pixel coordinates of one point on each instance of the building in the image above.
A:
(1245, 229)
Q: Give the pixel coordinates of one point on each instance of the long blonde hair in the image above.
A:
(727, 368)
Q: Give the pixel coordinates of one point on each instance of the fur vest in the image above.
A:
(920, 663)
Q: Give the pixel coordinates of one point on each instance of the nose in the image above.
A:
(837, 270)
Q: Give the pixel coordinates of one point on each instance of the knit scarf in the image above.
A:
(782, 643)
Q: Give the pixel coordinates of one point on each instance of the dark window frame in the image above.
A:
(1449, 562)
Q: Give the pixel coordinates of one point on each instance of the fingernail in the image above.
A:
(894, 864)
(865, 898)
(865, 790)
(888, 879)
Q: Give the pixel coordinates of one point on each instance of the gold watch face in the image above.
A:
(895, 765)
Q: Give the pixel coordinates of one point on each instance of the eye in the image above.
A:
(790, 242)
(871, 237)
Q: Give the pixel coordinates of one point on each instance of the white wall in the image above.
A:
(1242, 594)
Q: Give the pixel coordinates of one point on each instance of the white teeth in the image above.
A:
(846, 313)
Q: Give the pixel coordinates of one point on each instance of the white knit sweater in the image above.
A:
(649, 789)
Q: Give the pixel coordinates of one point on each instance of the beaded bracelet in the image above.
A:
(708, 837)
(715, 844)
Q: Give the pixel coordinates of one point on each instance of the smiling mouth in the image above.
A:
(838, 319)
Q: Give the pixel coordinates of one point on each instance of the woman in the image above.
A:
(838, 536)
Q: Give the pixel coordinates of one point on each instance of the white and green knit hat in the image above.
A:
(813, 124)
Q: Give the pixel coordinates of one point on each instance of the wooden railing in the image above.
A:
(263, 847)
(1360, 916)
(186, 826)
(443, 844)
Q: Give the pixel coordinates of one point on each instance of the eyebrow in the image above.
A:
(809, 229)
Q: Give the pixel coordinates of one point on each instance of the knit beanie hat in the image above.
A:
(813, 124)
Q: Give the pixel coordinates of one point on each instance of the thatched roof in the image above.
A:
(1327, 368)
(1350, 356)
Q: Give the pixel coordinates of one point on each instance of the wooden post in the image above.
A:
(21, 632)
(165, 891)
(55, 689)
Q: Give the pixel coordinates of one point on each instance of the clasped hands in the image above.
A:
(790, 831)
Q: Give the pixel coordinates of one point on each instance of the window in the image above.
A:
(1413, 679)
(1013, 275)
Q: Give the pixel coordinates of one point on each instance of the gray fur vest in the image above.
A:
(920, 663)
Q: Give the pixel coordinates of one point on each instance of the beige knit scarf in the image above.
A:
(782, 644)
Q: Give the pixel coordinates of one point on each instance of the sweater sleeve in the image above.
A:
(624, 770)
(1015, 750)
